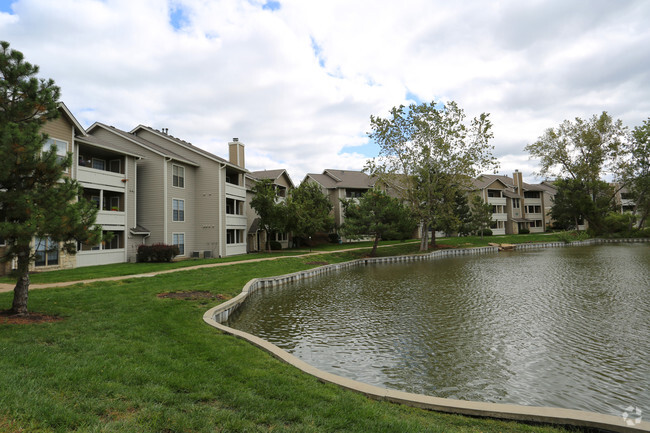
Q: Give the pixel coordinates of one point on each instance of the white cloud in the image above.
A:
(232, 68)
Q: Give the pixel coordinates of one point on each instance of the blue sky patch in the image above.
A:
(271, 5)
(178, 18)
(410, 96)
(318, 52)
(5, 6)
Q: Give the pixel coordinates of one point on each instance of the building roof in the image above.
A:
(94, 141)
(271, 174)
(186, 145)
(144, 143)
(67, 113)
(343, 179)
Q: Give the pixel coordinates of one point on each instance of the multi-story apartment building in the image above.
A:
(283, 184)
(341, 184)
(516, 205)
(186, 196)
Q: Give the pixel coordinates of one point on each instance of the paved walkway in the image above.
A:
(10, 287)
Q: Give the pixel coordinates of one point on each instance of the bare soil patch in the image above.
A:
(193, 295)
(7, 317)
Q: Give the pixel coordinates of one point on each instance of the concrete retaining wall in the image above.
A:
(218, 315)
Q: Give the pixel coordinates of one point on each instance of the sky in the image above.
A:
(297, 80)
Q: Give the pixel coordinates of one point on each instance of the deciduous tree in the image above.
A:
(308, 211)
(481, 214)
(36, 200)
(433, 150)
(378, 215)
(637, 171)
(271, 211)
(584, 151)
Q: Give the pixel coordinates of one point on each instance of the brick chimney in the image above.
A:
(519, 182)
(236, 153)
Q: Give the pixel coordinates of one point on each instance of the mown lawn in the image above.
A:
(388, 248)
(124, 360)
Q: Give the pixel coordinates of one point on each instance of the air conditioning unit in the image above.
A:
(207, 254)
(196, 254)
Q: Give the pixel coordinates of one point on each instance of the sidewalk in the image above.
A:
(10, 287)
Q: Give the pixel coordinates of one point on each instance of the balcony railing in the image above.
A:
(87, 175)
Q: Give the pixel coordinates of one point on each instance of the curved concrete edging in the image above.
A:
(216, 316)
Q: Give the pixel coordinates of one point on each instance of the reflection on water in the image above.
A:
(565, 327)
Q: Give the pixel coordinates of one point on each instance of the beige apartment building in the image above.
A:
(283, 185)
(516, 205)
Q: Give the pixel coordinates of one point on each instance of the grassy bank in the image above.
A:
(388, 248)
(124, 360)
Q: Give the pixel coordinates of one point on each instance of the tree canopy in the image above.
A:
(584, 151)
(38, 203)
(637, 171)
(378, 215)
(271, 211)
(431, 151)
(308, 211)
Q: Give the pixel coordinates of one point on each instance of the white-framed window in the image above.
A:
(61, 148)
(280, 237)
(234, 207)
(99, 164)
(47, 252)
(178, 210)
(515, 203)
(234, 236)
(178, 176)
(178, 239)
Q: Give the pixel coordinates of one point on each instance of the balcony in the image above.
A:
(497, 201)
(92, 176)
(499, 217)
(111, 218)
(533, 201)
(235, 191)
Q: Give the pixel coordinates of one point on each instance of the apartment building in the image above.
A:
(516, 205)
(282, 182)
(186, 196)
(341, 184)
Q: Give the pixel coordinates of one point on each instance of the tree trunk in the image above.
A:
(433, 238)
(374, 246)
(424, 242)
(21, 290)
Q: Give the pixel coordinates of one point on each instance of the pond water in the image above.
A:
(563, 327)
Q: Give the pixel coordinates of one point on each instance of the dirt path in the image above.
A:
(9, 287)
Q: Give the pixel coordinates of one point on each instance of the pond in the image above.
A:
(562, 327)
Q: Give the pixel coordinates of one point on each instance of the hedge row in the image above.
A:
(157, 253)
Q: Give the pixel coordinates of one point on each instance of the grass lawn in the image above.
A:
(388, 248)
(124, 360)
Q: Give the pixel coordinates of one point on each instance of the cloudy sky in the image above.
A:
(297, 80)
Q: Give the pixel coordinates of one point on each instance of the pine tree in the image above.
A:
(36, 199)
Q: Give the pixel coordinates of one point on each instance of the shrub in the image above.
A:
(486, 232)
(275, 245)
(573, 236)
(524, 231)
(157, 253)
(334, 238)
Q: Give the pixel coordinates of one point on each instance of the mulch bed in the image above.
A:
(7, 317)
(192, 295)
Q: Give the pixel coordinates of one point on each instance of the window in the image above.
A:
(95, 199)
(515, 203)
(115, 203)
(178, 210)
(354, 193)
(178, 176)
(178, 239)
(234, 207)
(531, 194)
(61, 148)
(115, 242)
(115, 166)
(234, 236)
(99, 164)
(47, 252)
(494, 193)
(281, 237)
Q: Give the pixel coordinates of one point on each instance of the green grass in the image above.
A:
(388, 248)
(124, 360)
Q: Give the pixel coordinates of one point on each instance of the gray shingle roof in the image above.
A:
(344, 179)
